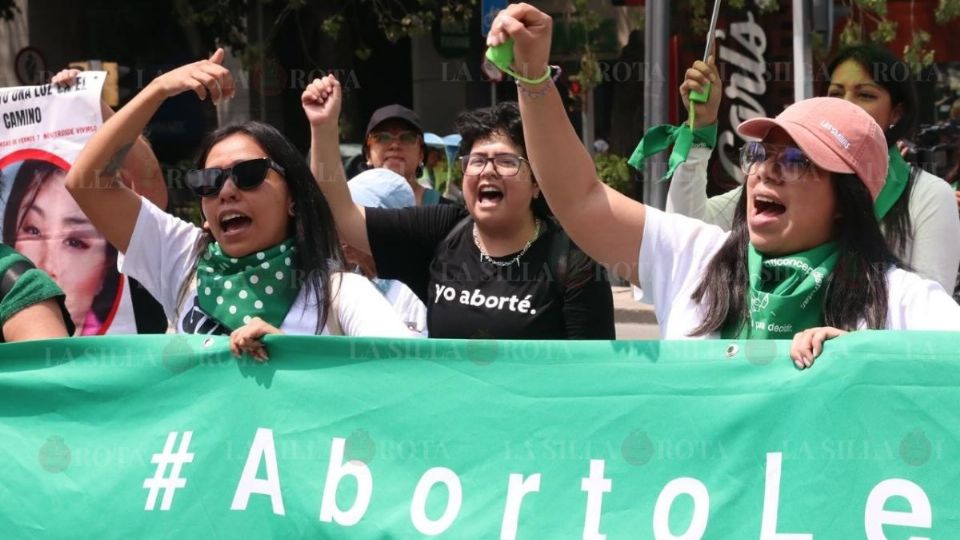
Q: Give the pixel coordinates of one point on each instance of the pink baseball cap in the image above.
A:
(836, 135)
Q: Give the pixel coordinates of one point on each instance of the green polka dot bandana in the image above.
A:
(234, 290)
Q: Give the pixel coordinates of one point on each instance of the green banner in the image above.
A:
(148, 436)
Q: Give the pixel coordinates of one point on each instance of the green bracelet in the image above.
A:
(531, 82)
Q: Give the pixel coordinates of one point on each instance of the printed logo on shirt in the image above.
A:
(197, 321)
(759, 302)
(476, 298)
(772, 326)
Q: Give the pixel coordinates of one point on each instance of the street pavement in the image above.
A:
(634, 320)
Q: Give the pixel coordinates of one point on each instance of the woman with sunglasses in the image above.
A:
(916, 209)
(499, 268)
(805, 258)
(394, 141)
(268, 256)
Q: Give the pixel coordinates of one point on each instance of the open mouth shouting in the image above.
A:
(234, 223)
(767, 210)
(489, 196)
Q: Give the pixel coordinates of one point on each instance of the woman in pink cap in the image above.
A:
(916, 210)
(805, 258)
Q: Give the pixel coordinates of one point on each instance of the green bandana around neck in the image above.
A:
(233, 290)
(790, 298)
(682, 138)
(893, 188)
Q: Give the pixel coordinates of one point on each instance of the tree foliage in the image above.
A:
(397, 19)
(701, 10)
(873, 13)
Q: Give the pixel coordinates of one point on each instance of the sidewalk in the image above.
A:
(626, 310)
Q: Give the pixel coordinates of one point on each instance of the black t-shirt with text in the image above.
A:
(467, 298)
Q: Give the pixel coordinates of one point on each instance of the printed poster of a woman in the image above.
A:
(42, 221)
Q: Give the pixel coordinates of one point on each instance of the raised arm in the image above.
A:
(688, 186)
(687, 194)
(140, 170)
(94, 179)
(605, 224)
(321, 103)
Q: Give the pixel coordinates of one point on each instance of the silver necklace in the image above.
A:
(485, 257)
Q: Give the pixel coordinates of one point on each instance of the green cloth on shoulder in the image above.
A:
(32, 287)
(895, 186)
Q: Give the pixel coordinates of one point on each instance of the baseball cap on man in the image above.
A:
(836, 135)
(390, 112)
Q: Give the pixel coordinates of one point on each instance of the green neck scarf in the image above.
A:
(897, 176)
(234, 290)
(786, 293)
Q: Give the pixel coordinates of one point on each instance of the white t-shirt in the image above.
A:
(161, 256)
(409, 308)
(676, 250)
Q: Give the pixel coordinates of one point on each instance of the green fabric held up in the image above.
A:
(83, 420)
(898, 174)
(234, 290)
(682, 138)
(786, 293)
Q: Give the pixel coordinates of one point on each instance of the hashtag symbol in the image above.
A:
(162, 481)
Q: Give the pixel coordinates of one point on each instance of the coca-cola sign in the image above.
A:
(754, 57)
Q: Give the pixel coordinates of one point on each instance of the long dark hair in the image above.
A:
(857, 289)
(30, 178)
(312, 224)
(896, 77)
(502, 119)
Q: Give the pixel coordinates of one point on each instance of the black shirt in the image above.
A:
(431, 249)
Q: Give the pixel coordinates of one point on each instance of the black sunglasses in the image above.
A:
(245, 174)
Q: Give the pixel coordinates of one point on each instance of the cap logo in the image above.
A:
(837, 134)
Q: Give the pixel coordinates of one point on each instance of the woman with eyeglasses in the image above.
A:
(916, 210)
(394, 141)
(498, 268)
(267, 259)
(805, 258)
